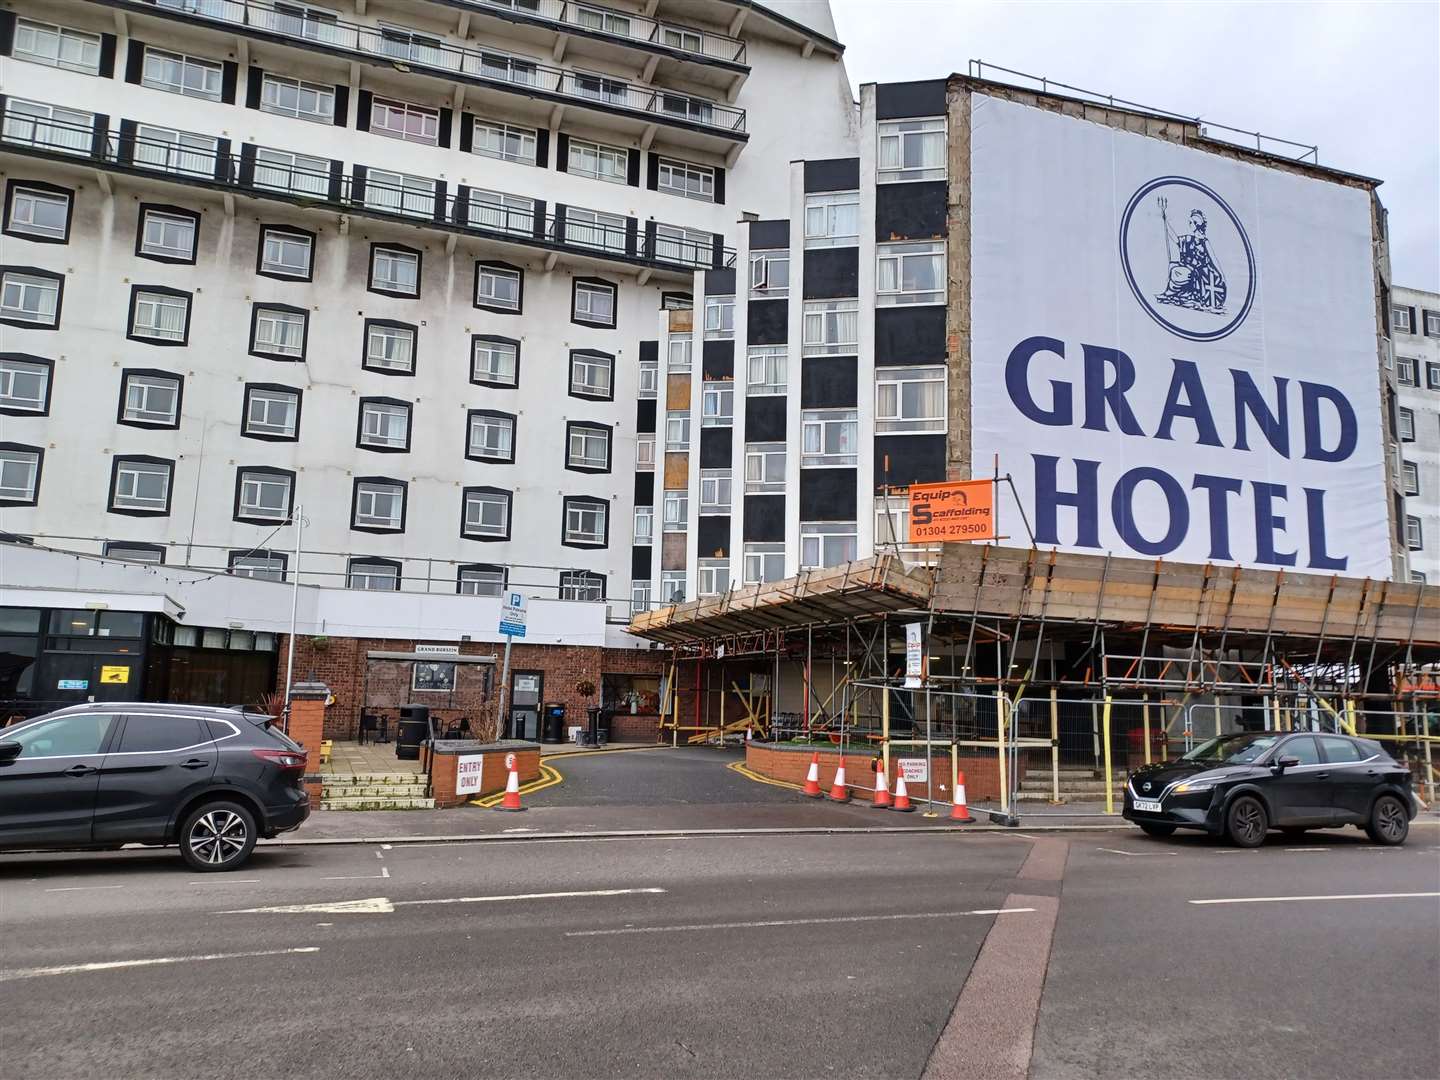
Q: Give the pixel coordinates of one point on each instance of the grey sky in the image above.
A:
(1359, 79)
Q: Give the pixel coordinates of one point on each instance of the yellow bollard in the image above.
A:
(1109, 779)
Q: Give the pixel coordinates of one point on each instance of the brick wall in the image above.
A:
(982, 778)
(492, 779)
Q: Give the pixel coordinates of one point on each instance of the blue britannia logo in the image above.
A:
(1187, 258)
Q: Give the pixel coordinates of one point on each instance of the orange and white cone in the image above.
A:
(882, 790)
(511, 801)
(838, 791)
(959, 812)
(812, 778)
(902, 796)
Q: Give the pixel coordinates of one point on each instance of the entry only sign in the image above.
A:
(469, 774)
(959, 511)
(512, 615)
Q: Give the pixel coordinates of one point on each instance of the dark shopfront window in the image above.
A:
(103, 626)
(19, 647)
(638, 695)
(206, 665)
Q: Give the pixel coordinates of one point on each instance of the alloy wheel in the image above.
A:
(218, 836)
(1247, 821)
(1390, 819)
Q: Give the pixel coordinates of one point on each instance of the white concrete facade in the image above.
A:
(1415, 335)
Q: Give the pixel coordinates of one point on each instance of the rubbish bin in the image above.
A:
(606, 717)
(555, 722)
(411, 731)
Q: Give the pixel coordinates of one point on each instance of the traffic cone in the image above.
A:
(512, 789)
(882, 790)
(838, 791)
(749, 736)
(902, 796)
(812, 778)
(959, 813)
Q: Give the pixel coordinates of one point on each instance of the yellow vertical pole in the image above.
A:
(955, 770)
(885, 731)
(675, 707)
(1350, 717)
(1054, 747)
(723, 695)
(1000, 748)
(1145, 726)
(1109, 779)
(1275, 710)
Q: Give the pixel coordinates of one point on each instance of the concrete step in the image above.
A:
(374, 779)
(360, 802)
(373, 791)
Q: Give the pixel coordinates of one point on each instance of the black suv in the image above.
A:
(100, 775)
(1244, 785)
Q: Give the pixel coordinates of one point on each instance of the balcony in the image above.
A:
(590, 237)
(718, 125)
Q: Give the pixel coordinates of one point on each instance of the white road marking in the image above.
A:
(386, 847)
(226, 881)
(797, 922)
(1307, 850)
(528, 896)
(85, 888)
(112, 965)
(1117, 851)
(384, 871)
(382, 905)
(1339, 896)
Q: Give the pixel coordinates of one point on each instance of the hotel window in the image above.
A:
(611, 22)
(494, 361)
(497, 287)
(179, 74)
(582, 585)
(394, 271)
(681, 178)
(294, 97)
(649, 378)
(892, 520)
(389, 348)
(1432, 324)
(1407, 371)
(909, 400)
(827, 543)
(490, 436)
(644, 532)
(764, 562)
(675, 510)
(401, 120)
(764, 468)
(597, 161)
(831, 328)
(1432, 375)
(153, 554)
(1410, 478)
(286, 254)
(677, 430)
(712, 577)
(639, 596)
(24, 385)
(769, 274)
(832, 220)
(911, 150)
(299, 174)
(828, 437)
(39, 213)
(264, 495)
(259, 565)
(495, 64)
(719, 318)
(676, 301)
(692, 247)
(373, 576)
(717, 404)
(714, 491)
(597, 87)
(399, 193)
(30, 299)
(19, 474)
(514, 214)
(480, 580)
(271, 412)
(1417, 577)
(507, 142)
(379, 505)
(1400, 320)
(588, 447)
(1414, 534)
(384, 424)
(1405, 421)
(678, 353)
(688, 106)
(486, 514)
(278, 332)
(150, 399)
(402, 43)
(56, 46)
(36, 123)
(910, 274)
(672, 586)
(591, 374)
(594, 303)
(766, 370)
(585, 522)
(179, 151)
(141, 485)
(292, 18)
(645, 453)
(590, 228)
(678, 37)
(168, 236)
(157, 316)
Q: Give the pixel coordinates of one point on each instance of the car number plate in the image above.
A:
(1147, 806)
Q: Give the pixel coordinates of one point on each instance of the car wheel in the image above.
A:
(1155, 828)
(1246, 822)
(1389, 823)
(217, 836)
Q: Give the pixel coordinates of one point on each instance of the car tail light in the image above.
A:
(284, 760)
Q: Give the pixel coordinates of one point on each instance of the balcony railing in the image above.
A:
(258, 171)
(626, 25)
(425, 51)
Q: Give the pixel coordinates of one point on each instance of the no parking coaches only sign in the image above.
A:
(964, 510)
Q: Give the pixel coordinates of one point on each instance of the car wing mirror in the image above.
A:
(9, 751)
(1286, 762)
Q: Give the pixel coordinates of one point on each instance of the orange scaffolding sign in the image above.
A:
(958, 511)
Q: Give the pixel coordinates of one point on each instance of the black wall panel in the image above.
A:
(720, 282)
(910, 211)
(899, 101)
(645, 416)
(715, 447)
(914, 459)
(909, 335)
(718, 359)
(764, 419)
(644, 489)
(829, 382)
(832, 273)
(833, 174)
(764, 519)
(768, 322)
(640, 563)
(827, 495)
(769, 234)
(712, 537)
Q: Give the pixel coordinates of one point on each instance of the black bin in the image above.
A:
(554, 722)
(411, 731)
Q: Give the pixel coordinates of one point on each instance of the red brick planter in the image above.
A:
(447, 755)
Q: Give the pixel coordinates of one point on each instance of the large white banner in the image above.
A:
(1173, 353)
